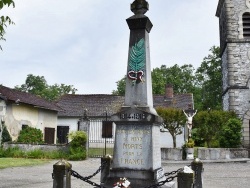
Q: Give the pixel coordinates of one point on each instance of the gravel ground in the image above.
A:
(216, 175)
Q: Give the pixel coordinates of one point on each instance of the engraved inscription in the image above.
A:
(133, 142)
(133, 116)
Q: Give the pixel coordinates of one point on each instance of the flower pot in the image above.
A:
(190, 153)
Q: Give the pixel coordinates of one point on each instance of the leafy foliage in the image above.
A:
(181, 77)
(37, 85)
(189, 143)
(230, 136)
(209, 78)
(121, 85)
(5, 20)
(15, 152)
(174, 121)
(208, 126)
(77, 145)
(30, 135)
(6, 135)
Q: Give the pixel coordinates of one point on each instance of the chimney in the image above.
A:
(169, 92)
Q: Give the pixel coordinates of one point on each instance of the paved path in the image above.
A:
(216, 175)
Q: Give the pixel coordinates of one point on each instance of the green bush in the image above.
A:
(6, 135)
(36, 154)
(190, 143)
(230, 136)
(77, 145)
(12, 152)
(208, 126)
(30, 135)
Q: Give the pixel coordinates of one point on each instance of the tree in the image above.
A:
(181, 77)
(121, 85)
(37, 85)
(209, 78)
(209, 124)
(5, 20)
(230, 136)
(174, 121)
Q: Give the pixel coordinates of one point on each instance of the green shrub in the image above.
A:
(30, 135)
(12, 152)
(77, 147)
(230, 136)
(6, 135)
(190, 143)
(208, 126)
(36, 154)
(56, 155)
(78, 153)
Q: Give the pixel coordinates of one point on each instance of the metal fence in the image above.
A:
(101, 138)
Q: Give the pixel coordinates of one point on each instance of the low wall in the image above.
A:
(206, 153)
(171, 154)
(222, 153)
(43, 147)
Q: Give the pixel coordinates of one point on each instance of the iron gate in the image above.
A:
(101, 138)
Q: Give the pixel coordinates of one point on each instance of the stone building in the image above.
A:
(234, 23)
(20, 109)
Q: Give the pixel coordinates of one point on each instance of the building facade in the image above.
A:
(100, 107)
(19, 109)
(234, 25)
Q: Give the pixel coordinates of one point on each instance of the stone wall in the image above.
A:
(171, 154)
(221, 153)
(206, 153)
(235, 60)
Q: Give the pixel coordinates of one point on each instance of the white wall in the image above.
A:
(167, 141)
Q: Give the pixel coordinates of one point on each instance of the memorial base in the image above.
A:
(137, 178)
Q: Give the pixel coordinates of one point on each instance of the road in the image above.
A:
(216, 175)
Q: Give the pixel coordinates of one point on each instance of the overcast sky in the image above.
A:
(84, 43)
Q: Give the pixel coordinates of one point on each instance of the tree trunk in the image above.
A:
(174, 141)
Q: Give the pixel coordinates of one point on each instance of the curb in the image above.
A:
(241, 160)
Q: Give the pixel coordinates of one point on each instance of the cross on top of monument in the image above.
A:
(139, 6)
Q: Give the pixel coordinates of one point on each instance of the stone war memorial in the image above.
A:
(137, 155)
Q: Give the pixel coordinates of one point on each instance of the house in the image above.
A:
(101, 107)
(20, 109)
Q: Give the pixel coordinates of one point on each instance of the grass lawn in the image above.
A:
(14, 162)
(100, 151)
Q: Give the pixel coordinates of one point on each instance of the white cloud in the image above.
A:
(85, 43)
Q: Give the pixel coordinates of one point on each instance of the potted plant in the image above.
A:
(190, 148)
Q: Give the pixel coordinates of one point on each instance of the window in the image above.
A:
(24, 126)
(246, 25)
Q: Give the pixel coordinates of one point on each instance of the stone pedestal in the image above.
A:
(137, 153)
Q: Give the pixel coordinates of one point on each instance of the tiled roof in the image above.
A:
(14, 95)
(97, 105)
(180, 101)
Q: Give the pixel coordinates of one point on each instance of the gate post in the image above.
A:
(61, 174)
(185, 179)
(106, 168)
(197, 167)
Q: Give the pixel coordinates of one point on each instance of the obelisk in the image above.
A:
(137, 155)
